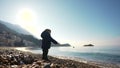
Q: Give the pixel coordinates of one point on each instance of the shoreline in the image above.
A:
(60, 61)
(98, 63)
(12, 58)
(94, 63)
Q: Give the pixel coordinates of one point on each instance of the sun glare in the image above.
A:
(25, 16)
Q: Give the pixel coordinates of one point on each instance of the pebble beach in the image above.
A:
(12, 58)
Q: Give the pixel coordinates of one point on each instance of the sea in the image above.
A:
(102, 54)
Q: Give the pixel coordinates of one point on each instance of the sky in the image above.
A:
(76, 22)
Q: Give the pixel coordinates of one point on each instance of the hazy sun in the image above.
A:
(25, 16)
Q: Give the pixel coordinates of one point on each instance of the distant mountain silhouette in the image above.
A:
(5, 28)
(89, 45)
(10, 37)
(16, 28)
(61, 45)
